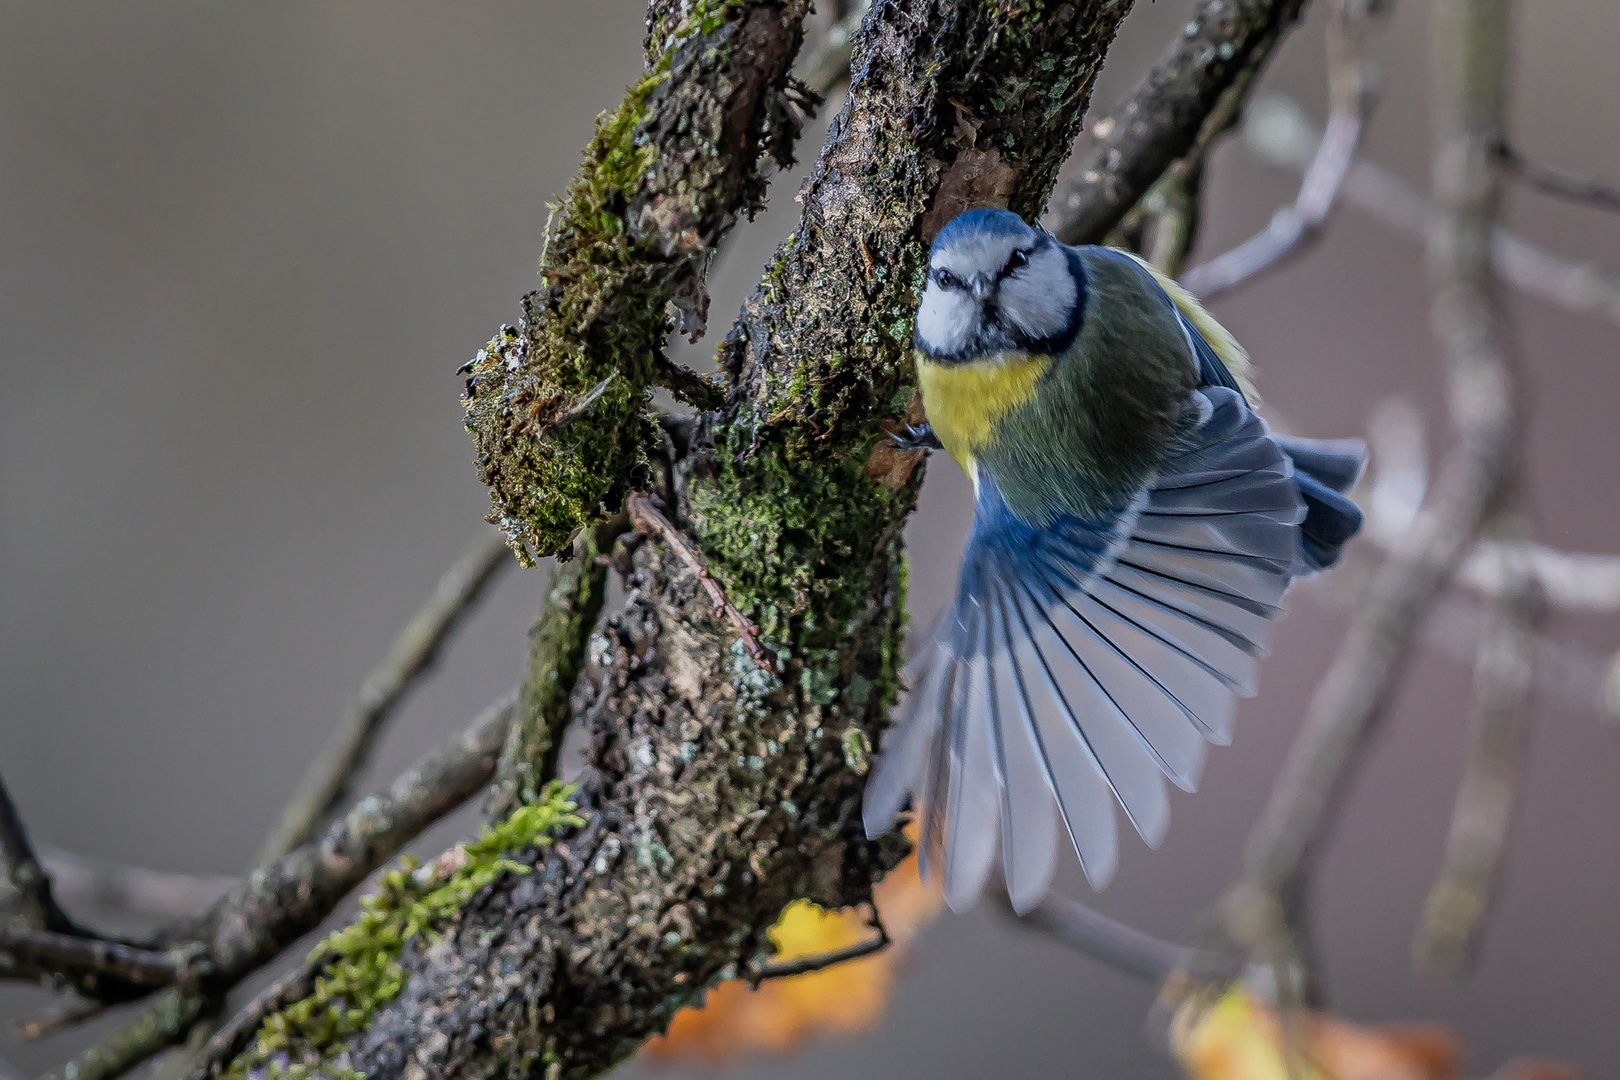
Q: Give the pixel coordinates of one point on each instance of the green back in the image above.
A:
(1110, 409)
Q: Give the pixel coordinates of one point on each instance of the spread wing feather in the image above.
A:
(1086, 661)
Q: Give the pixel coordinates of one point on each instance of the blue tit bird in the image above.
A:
(1135, 528)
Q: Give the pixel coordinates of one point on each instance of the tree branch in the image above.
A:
(1471, 866)
(159, 1026)
(1221, 50)
(716, 792)
(557, 643)
(330, 780)
(1354, 693)
(1295, 227)
(285, 899)
(1277, 132)
(632, 233)
(42, 954)
(1557, 182)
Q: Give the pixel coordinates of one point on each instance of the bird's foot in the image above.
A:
(915, 437)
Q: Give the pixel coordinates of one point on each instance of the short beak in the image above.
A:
(982, 288)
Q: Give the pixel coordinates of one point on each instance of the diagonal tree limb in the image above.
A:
(1295, 227)
(131, 890)
(1259, 913)
(329, 782)
(1212, 62)
(1558, 182)
(159, 1025)
(42, 954)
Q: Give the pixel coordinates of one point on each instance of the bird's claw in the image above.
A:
(915, 437)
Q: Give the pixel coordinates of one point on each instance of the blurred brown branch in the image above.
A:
(1557, 182)
(1175, 111)
(1261, 914)
(1276, 130)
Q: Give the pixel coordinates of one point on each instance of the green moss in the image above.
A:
(557, 406)
(361, 962)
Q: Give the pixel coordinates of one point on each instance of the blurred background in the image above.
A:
(243, 249)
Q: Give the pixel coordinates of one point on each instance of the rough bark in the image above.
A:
(715, 791)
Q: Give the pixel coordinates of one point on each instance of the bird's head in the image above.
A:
(996, 285)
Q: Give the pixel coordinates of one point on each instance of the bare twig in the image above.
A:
(330, 779)
(1116, 944)
(698, 391)
(135, 890)
(88, 961)
(1297, 226)
(804, 965)
(1461, 897)
(648, 519)
(1276, 131)
(159, 1026)
(1168, 115)
(1354, 693)
(1557, 182)
(25, 889)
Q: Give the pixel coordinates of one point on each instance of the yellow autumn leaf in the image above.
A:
(1240, 1038)
(783, 1013)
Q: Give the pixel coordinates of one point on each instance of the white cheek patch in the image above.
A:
(1039, 300)
(945, 320)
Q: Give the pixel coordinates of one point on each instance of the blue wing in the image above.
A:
(1085, 661)
(1324, 469)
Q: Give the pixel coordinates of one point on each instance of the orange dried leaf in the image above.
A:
(782, 1014)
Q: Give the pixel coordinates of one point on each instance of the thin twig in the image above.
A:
(329, 782)
(647, 519)
(159, 1026)
(134, 890)
(1477, 840)
(1354, 693)
(696, 390)
(89, 960)
(1296, 227)
(1276, 131)
(804, 965)
(25, 889)
(1557, 182)
(1116, 944)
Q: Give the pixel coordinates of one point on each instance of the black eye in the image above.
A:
(1016, 262)
(946, 280)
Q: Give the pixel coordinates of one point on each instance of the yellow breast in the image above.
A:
(964, 401)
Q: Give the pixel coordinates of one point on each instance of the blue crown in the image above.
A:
(980, 222)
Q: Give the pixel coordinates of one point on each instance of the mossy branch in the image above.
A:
(557, 404)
